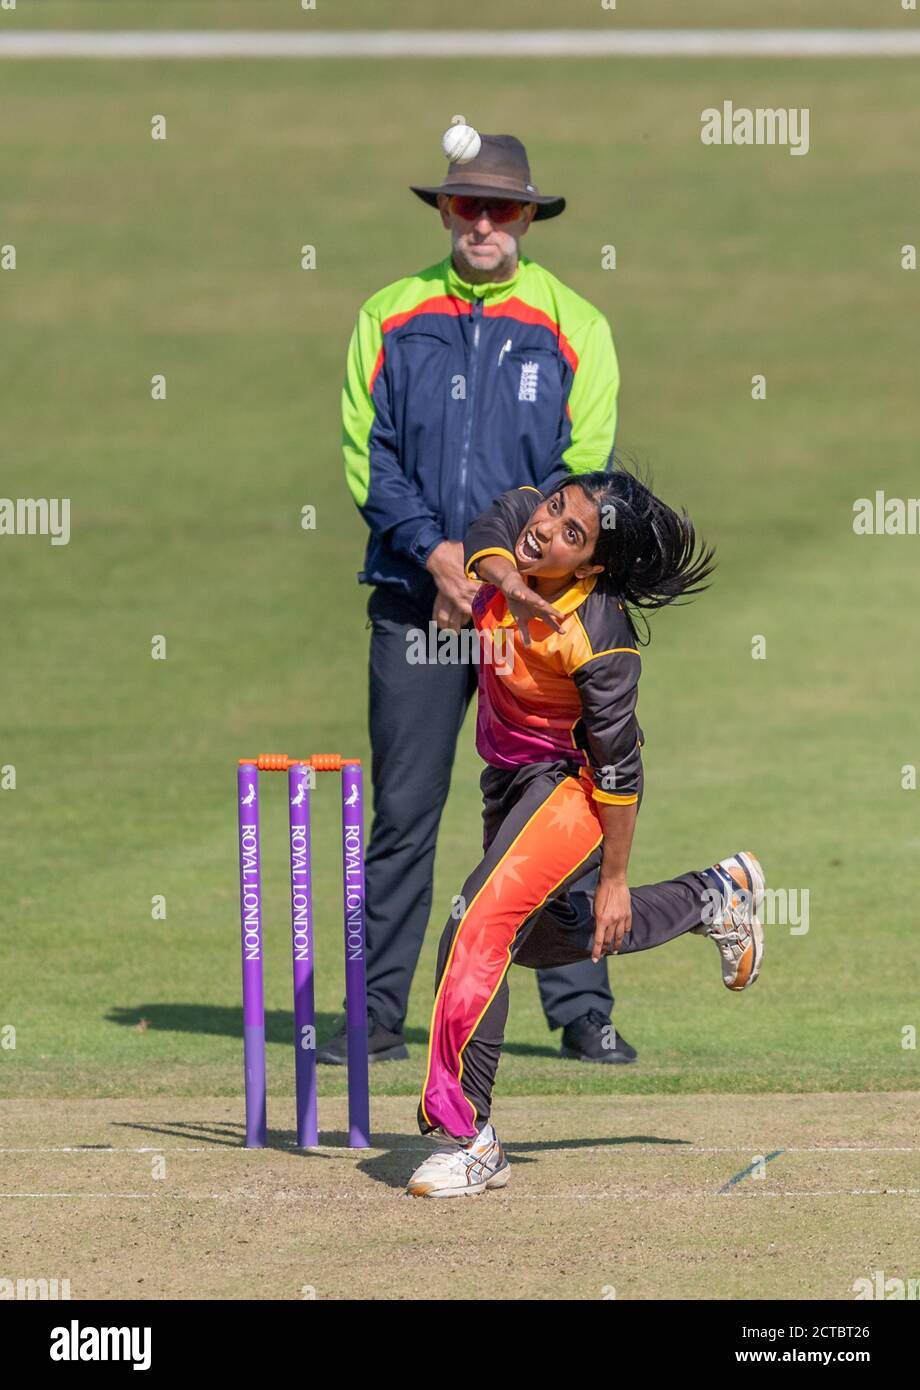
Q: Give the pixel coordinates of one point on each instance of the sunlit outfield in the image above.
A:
(137, 258)
(437, 14)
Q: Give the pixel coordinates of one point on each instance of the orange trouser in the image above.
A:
(542, 833)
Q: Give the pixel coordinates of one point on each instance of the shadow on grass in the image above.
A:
(400, 1154)
(213, 1020)
(404, 1153)
(219, 1021)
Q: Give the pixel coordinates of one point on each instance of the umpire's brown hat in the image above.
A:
(499, 170)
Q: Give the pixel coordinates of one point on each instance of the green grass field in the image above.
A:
(488, 14)
(137, 258)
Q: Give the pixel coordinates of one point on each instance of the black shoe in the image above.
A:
(589, 1039)
(382, 1046)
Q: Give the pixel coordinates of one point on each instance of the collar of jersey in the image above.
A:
(573, 597)
(492, 292)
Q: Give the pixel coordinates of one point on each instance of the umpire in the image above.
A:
(482, 373)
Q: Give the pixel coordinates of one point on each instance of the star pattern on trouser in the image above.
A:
(568, 814)
(471, 988)
(507, 872)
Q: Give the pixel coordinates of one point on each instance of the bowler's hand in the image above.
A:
(525, 604)
(612, 916)
(453, 601)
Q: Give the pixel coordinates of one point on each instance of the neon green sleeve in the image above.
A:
(357, 407)
(593, 398)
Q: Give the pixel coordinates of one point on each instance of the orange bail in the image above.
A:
(320, 762)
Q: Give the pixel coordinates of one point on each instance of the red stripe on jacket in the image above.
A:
(455, 307)
(448, 304)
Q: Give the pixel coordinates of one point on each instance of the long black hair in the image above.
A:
(650, 553)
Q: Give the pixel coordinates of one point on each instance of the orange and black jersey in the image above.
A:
(569, 694)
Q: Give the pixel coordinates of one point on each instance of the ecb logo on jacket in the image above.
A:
(527, 390)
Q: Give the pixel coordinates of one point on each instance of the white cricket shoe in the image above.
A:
(461, 1170)
(735, 928)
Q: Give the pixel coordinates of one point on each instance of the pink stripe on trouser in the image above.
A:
(557, 838)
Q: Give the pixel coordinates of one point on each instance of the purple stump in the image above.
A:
(251, 934)
(299, 782)
(359, 1124)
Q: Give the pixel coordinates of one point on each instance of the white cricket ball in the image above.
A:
(461, 143)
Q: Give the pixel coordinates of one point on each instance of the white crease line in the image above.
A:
(108, 1149)
(611, 1149)
(735, 1195)
(814, 1149)
(470, 43)
(217, 1147)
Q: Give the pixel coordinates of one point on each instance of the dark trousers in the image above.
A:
(416, 712)
(518, 907)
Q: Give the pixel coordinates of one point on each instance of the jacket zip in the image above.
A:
(464, 469)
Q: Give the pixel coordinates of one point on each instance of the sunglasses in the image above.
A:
(471, 209)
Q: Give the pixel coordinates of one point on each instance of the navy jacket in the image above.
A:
(455, 393)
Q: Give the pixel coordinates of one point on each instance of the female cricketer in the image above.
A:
(570, 573)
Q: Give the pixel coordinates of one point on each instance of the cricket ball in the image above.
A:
(461, 143)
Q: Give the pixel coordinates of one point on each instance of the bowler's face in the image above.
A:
(560, 537)
(483, 244)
